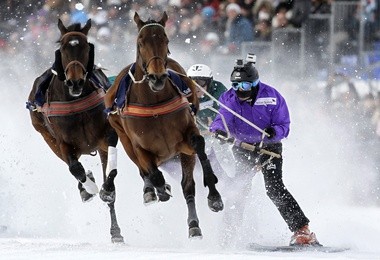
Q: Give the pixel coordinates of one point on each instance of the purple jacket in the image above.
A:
(269, 109)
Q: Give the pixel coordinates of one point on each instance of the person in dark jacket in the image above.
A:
(238, 29)
(257, 146)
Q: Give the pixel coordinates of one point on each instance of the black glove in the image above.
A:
(222, 137)
(271, 132)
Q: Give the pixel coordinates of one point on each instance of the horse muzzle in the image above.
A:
(157, 81)
(75, 86)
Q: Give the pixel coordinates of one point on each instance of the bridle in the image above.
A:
(144, 66)
(74, 62)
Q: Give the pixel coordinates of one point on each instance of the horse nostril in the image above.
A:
(151, 77)
(69, 83)
(163, 77)
(81, 82)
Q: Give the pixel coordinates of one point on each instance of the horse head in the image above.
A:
(153, 50)
(75, 58)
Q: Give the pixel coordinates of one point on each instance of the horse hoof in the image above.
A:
(164, 193)
(149, 198)
(215, 204)
(107, 196)
(86, 197)
(117, 240)
(195, 233)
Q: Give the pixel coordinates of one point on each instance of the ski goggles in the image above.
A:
(244, 85)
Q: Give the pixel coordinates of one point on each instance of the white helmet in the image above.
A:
(199, 71)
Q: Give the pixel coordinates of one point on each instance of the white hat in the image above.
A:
(233, 7)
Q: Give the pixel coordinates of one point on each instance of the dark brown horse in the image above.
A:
(156, 122)
(72, 121)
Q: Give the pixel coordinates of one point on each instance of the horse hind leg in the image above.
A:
(215, 202)
(188, 188)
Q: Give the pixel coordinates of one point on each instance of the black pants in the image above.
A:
(274, 185)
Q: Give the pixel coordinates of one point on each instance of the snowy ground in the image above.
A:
(332, 179)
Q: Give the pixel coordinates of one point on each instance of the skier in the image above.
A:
(263, 106)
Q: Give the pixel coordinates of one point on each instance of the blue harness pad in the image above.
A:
(126, 82)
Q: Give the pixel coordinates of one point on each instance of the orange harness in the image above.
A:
(164, 108)
(60, 108)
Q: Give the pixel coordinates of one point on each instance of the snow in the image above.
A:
(332, 178)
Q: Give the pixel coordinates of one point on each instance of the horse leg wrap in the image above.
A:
(78, 171)
(192, 219)
(89, 184)
(112, 159)
(209, 177)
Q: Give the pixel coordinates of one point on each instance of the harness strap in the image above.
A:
(164, 108)
(60, 108)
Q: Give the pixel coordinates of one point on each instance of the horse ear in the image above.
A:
(163, 19)
(138, 21)
(87, 27)
(61, 27)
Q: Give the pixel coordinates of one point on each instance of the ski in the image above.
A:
(325, 249)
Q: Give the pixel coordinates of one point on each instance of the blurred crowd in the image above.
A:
(206, 27)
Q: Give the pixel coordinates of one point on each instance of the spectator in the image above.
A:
(238, 29)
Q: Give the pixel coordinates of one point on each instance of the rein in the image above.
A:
(67, 108)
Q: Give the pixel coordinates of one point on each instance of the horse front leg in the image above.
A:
(152, 177)
(188, 188)
(86, 181)
(108, 191)
(149, 193)
(155, 179)
(215, 202)
(109, 167)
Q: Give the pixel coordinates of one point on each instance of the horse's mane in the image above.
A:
(150, 20)
(74, 27)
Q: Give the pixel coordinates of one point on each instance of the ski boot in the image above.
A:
(303, 237)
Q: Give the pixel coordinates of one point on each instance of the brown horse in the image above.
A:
(156, 122)
(72, 121)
